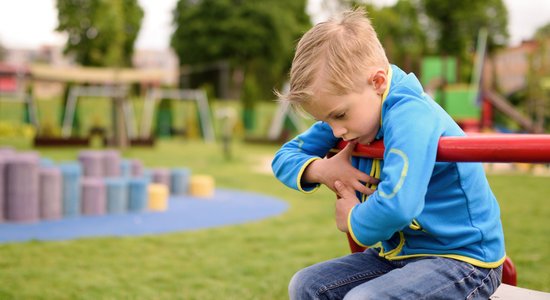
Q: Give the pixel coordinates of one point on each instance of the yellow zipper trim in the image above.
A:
(374, 172)
(351, 230)
(473, 261)
(299, 178)
(392, 253)
(385, 94)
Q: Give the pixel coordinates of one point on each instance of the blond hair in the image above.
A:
(335, 54)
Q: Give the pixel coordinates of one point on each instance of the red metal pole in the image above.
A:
(527, 148)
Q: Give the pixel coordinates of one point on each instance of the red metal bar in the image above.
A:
(527, 148)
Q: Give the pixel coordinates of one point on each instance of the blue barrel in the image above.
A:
(179, 181)
(21, 194)
(117, 195)
(148, 174)
(93, 196)
(72, 173)
(46, 162)
(50, 193)
(125, 168)
(137, 188)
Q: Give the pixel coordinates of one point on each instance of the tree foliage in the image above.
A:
(2, 52)
(256, 37)
(400, 31)
(412, 28)
(100, 32)
(456, 26)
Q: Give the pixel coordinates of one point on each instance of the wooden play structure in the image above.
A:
(527, 148)
(95, 82)
(14, 88)
(196, 96)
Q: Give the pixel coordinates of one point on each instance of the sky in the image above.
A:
(21, 27)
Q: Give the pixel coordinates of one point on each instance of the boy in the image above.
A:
(436, 225)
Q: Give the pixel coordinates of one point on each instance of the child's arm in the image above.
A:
(412, 129)
(300, 165)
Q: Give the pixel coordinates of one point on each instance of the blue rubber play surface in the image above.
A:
(184, 213)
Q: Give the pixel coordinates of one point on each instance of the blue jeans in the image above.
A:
(366, 275)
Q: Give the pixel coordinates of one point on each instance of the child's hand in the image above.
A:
(344, 203)
(339, 168)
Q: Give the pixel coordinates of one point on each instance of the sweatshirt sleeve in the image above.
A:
(294, 156)
(411, 135)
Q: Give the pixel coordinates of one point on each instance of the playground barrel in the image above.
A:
(526, 148)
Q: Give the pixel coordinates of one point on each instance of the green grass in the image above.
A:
(247, 261)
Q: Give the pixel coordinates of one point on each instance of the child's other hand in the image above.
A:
(339, 168)
(344, 203)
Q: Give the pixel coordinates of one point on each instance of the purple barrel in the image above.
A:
(92, 163)
(93, 196)
(111, 163)
(4, 154)
(161, 175)
(22, 187)
(50, 193)
(137, 167)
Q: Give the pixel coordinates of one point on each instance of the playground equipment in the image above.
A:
(100, 182)
(470, 105)
(478, 148)
(197, 96)
(98, 82)
(110, 92)
(284, 111)
(13, 88)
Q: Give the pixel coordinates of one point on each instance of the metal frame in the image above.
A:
(97, 91)
(198, 96)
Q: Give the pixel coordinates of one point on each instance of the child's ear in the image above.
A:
(379, 81)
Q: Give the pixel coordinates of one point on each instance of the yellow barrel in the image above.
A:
(158, 197)
(201, 186)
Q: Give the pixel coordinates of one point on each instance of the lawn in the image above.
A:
(248, 261)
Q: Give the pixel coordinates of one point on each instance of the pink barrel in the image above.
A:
(22, 187)
(93, 196)
(50, 193)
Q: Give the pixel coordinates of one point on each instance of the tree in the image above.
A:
(398, 27)
(457, 24)
(400, 32)
(538, 79)
(100, 32)
(2, 52)
(256, 39)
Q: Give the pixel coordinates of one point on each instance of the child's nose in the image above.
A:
(339, 131)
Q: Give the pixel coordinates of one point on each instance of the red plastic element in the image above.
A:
(353, 246)
(527, 148)
(509, 273)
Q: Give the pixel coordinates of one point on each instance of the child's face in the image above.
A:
(352, 117)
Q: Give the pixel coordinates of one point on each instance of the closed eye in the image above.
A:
(340, 116)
